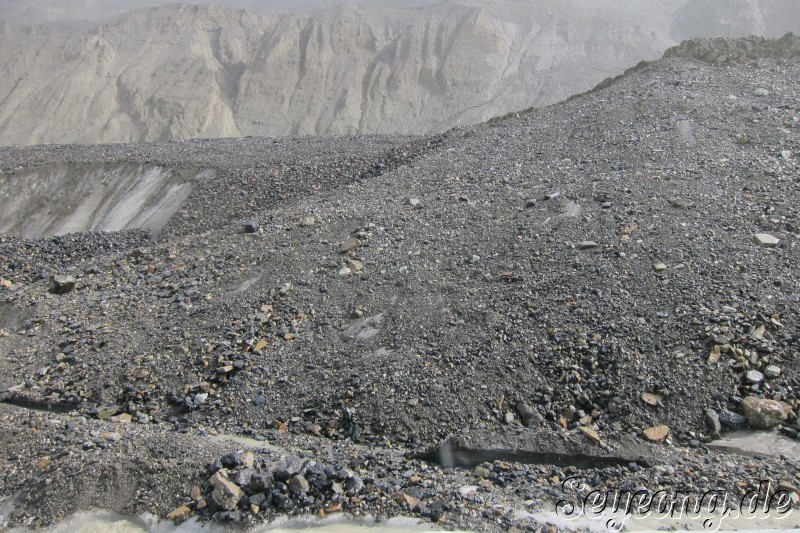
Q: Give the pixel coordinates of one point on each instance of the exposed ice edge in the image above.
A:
(74, 198)
(115, 523)
(106, 521)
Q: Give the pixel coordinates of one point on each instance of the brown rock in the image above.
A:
(652, 399)
(402, 498)
(248, 459)
(218, 476)
(334, 508)
(355, 266)
(764, 414)
(656, 433)
(180, 513)
(714, 356)
(227, 494)
(106, 414)
(592, 434)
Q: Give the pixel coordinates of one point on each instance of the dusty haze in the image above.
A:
(186, 71)
(72, 11)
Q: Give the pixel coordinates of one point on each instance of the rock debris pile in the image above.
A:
(599, 289)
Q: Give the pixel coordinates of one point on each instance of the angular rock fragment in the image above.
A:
(61, 284)
(299, 484)
(652, 399)
(529, 416)
(731, 420)
(349, 245)
(765, 240)
(753, 376)
(713, 422)
(180, 513)
(226, 494)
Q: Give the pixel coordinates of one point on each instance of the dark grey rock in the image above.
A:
(713, 423)
(731, 420)
(260, 481)
(251, 226)
(288, 468)
(231, 460)
(61, 284)
(298, 484)
(354, 484)
(244, 477)
(530, 417)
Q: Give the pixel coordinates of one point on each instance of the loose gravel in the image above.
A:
(611, 276)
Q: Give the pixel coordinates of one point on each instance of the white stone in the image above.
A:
(766, 240)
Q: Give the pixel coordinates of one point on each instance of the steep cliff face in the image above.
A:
(186, 71)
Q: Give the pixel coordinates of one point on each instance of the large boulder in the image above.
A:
(764, 414)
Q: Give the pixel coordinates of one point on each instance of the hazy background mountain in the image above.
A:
(79, 11)
(185, 71)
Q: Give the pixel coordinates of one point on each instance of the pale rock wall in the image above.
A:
(184, 71)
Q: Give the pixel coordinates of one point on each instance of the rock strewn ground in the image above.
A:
(586, 274)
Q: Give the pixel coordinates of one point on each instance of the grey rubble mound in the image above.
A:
(476, 312)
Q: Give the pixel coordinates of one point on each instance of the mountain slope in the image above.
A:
(181, 72)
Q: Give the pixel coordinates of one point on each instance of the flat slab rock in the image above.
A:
(543, 446)
(766, 240)
(749, 442)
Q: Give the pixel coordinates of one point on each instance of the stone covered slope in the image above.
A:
(180, 72)
(618, 267)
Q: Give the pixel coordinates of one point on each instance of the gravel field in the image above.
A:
(446, 327)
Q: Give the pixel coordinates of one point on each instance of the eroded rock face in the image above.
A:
(764, 414)
(368, 70)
